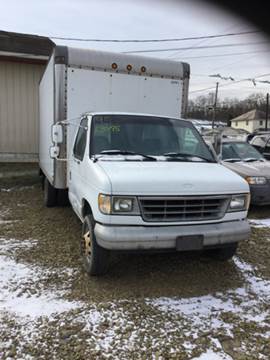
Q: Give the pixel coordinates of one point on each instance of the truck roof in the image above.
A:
(120, 62)
(131, 113)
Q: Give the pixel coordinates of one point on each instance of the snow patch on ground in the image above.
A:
(259, 223)
(206, 312)
(5, 222)
(211, 355)
(17, 188)
(12, 274)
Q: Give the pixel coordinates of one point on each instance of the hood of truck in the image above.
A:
(254, 168)
(171, 178)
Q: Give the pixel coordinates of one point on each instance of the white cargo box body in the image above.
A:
(82, 80)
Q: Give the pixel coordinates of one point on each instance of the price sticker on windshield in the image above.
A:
(105, 129)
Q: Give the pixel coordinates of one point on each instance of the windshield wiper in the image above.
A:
(232, 160)
(185, 156)
(125, 152)
(251, 159)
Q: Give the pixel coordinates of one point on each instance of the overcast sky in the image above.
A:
(119, 19)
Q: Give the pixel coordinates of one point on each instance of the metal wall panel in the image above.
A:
(19, 108)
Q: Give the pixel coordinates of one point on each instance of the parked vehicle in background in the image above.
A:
(246, 161)
(206, 125)
(215, 136)
(201, 124)
(226, 132)
(257, 132)
(262, 143)
(137, 176)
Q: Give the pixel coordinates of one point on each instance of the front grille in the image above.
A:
(183, 208)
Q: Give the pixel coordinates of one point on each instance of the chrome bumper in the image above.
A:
(164, 237)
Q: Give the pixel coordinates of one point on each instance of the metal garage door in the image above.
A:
(19, 109)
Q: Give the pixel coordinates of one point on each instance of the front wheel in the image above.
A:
(223, 253)
(95, 258)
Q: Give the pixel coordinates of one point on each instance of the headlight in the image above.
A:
(104, 203)
(122, 204)
(239, 202)
(118, 205)
(256, 180)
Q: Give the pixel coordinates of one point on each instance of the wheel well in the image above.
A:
(86, 208)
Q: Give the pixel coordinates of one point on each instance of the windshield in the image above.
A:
(147, 135)
(240, 151)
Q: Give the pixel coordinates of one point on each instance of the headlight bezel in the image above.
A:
(244, 202)
(256, 180)
(107, 204)
(115, 200)
(119, 201)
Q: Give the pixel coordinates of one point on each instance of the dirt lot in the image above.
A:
(165, 306)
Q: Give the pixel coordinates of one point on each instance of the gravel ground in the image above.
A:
(162, 306)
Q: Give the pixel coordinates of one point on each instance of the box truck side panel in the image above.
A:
(46, 114)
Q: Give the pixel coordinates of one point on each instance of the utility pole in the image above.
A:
(215, 106)
(267, 109)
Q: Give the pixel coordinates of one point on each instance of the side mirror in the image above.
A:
(57, 134)
(54, 152)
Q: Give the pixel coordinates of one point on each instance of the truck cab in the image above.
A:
(147, 182)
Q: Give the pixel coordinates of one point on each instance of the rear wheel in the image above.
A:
(223, 253)
(50, 194)
(95, 258)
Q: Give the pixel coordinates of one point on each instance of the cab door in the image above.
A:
(76, 171)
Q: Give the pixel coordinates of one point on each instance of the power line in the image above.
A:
(231, 83)
(207, 41)
(235, 62)
(154, 40)
(197, 47)
(227, 54)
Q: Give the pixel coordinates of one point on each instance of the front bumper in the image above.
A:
(164, 237)
(260, 194)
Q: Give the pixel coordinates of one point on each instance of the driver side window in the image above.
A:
(80, 142)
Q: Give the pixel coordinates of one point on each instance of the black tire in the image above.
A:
(95, 258)
(50, 194)
(62, 197)
(223, 253)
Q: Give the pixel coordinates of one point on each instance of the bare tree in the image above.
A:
(227, 109)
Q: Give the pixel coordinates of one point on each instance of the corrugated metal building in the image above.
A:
(22, 61)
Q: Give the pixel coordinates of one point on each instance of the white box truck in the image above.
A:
(137, 175)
